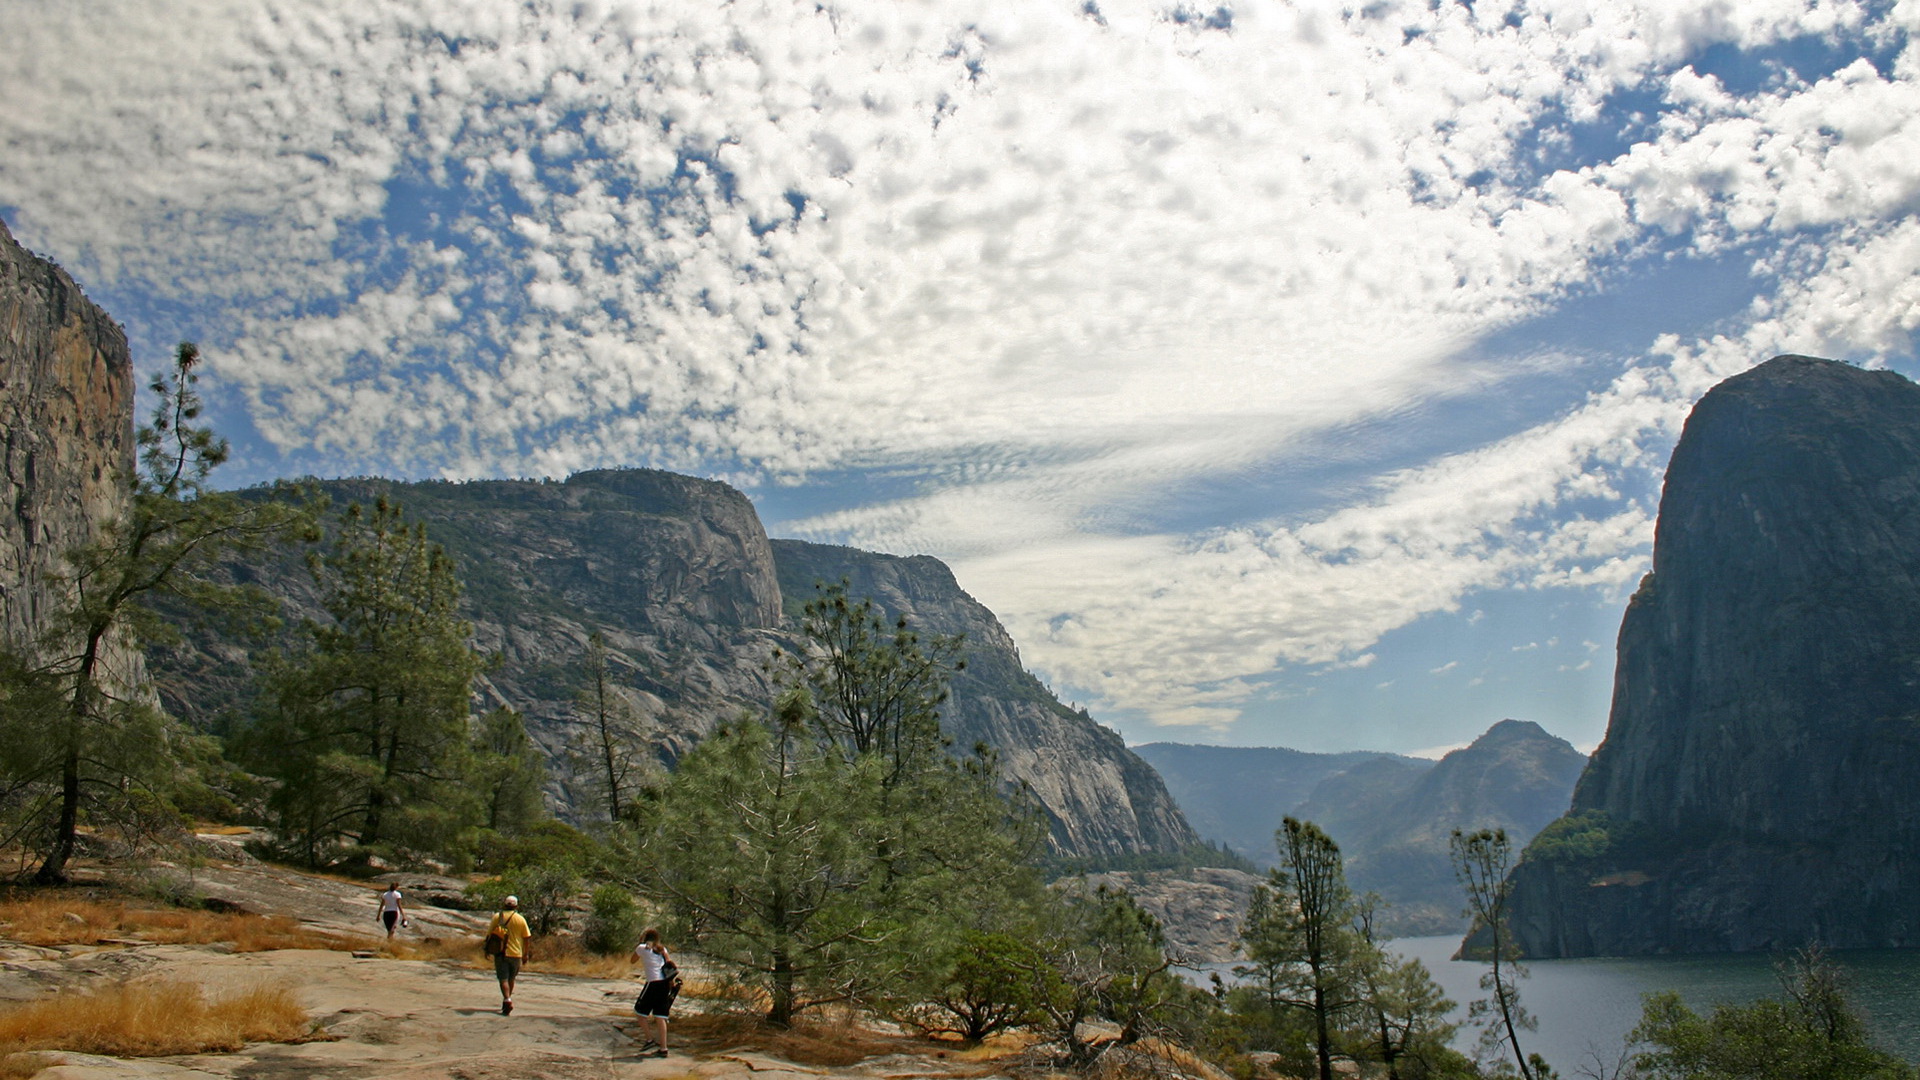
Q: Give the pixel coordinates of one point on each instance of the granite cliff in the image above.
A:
(679, 576)
(1755, 789)
(66, 415)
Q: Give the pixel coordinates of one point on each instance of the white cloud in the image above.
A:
(1061, 267)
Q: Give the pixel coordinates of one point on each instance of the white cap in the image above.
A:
(513, 901)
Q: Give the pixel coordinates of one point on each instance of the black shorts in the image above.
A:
(655, 1000)
(390, 918)
(506, 967)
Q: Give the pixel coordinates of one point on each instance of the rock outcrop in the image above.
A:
(1755, 789)
(66, 415)
(678, 575)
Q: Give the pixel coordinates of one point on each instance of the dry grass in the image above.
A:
(817, 1042)
(464, 949)
(148, 1019)
(564, 955)
(52, 918)
(22, 1066)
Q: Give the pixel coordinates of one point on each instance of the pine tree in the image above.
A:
(1482, 861)
(368, 730)
(93, 737)
(1300, 935)
(609, 751)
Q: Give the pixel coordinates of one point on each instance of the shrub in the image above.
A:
(613, 923)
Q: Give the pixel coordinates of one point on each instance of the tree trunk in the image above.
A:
(54, 870)
(781, 1014)
(1323, 1043)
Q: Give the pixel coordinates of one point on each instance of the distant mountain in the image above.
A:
(1392, 816)
(1236, 795)
(1756, 786)
(1395, 828)
(692, 597)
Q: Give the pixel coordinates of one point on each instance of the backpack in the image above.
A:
(496, 943)
(670, 972)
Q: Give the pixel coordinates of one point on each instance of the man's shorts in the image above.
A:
(506, 967)
(655, 1000)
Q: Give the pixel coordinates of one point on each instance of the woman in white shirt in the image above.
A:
(657, 999)
(392, 911)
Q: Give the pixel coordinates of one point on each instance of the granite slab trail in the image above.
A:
(414, 1020)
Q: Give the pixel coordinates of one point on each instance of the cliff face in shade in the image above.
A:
(678, 574)
(1756, 786)
(66, 418)
(1099, 796)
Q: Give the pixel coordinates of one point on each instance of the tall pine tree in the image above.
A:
(368, 729)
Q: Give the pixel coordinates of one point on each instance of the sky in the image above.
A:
(1294, 374)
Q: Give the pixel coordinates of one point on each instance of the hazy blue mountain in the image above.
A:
(1236, 795)
(1391, 815)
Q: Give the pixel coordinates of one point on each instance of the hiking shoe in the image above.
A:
(506, 1008)
(662, 1052)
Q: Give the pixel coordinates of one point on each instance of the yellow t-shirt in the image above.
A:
(516, 929)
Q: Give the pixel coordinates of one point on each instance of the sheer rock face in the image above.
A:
(1756, 786)
(679, 577)
(66, 415)
(1099, 796)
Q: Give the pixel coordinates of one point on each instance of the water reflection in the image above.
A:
(1586, 1007)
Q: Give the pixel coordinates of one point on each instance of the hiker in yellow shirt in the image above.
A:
(512, 932)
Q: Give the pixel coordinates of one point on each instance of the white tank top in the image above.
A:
(650, 962)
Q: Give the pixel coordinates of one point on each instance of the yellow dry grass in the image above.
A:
(564, 955)
(59, 919)
(823, 1043)
(148, 1019)
(22, 1066)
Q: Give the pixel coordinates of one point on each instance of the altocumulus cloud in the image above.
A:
(1055, 258)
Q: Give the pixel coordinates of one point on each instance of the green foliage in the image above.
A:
(613, 922)
(1581, 837)
(86, 744)
(1300, 938)
(544, 889)
(763, 849)
(1811, 1033)
(1401, 1022)
(508, 773)
(546, 842)
(871, 689)
(979, 989)
(1097, 955)
(367, 729)
(839, 853)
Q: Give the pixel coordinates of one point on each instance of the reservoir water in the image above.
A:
(1586, 1007)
